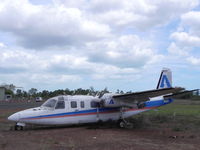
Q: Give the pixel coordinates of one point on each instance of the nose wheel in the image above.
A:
(18, 128)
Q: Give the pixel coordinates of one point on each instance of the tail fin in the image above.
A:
(165, 80)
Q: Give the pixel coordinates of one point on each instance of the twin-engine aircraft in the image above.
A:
(79, 109)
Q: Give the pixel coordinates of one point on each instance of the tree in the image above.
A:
(92, 91)
(121, 92)
(9, 92)
(105, 90)
(19, 93)
(45, 94)
(117, 91)
(68, 92)
(25, 94)
(32, 92)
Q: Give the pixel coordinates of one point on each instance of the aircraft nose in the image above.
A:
(15, 117)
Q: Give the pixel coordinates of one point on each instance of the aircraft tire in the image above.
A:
(122, 124)
(18, 128)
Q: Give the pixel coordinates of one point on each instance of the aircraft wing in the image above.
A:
(145, 95)
(173, 95)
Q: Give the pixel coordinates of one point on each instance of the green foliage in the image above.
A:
(9, 92)
(32, 91)
(195, 97)
(179, 116)
(45, 94)
(19, 93)
(177, 128)
(177, 109)
(191, 95)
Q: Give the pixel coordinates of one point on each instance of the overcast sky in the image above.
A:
(118, 44)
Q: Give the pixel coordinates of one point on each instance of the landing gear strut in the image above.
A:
(122, 122)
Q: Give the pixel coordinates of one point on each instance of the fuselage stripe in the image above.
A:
(84, 113)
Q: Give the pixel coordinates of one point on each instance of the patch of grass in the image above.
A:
(180, 117)
(197, 123)
(177, 109)
(177, 128)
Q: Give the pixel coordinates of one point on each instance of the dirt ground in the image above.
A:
(92, 137)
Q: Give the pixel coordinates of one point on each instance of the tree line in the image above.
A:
(45, 94)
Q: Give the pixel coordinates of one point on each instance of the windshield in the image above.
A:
(50, 103)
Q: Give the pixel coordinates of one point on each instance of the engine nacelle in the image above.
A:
(107, 100)
(115, 103)
(110, 103)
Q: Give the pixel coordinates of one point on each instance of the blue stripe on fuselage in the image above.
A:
(76, 113)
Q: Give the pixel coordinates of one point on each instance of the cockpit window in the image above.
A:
(60, 105)
(50, 103)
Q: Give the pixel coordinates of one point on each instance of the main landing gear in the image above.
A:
(125, 124)
(122, 122)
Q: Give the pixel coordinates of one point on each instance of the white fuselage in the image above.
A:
(83, 110)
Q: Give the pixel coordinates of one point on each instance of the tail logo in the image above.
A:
(164, 82)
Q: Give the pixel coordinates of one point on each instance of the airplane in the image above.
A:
(80, 109)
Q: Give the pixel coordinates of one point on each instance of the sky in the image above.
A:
(59, 44)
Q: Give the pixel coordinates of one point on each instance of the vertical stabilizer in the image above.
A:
(165, 80)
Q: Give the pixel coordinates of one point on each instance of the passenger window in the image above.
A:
(60, 105)
(94, 104)
(73, 104)
(82, 104)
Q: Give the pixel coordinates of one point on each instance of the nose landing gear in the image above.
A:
(19, 126)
